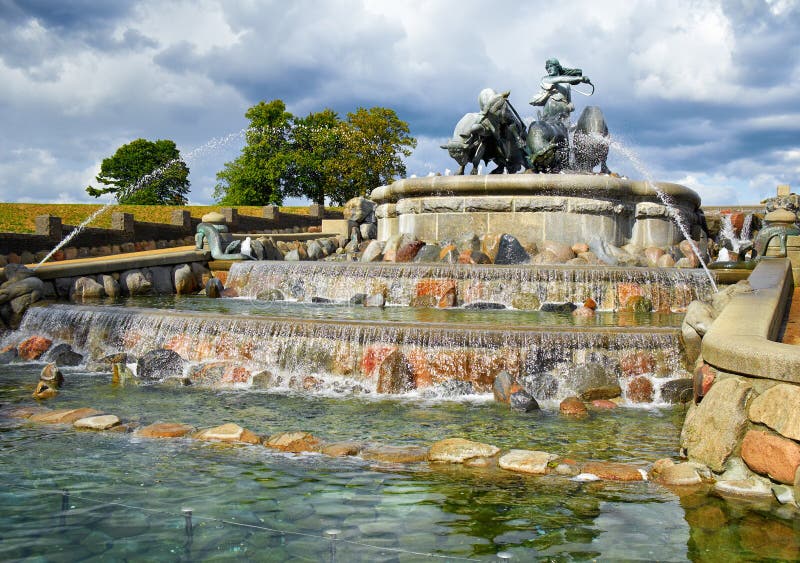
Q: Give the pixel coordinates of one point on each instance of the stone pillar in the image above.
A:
(231, 215)
(271, 212)
(182, 219)
(49, 226)
(316, 211)
(122, 222)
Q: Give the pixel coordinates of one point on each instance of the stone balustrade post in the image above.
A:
(316, 211)
(271, 212)
(122, 222)
(49, 226)
(231, 215)
(181, 218)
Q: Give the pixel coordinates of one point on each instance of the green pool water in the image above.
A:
(249, 503)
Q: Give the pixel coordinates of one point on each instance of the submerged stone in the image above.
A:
(44, 391)
(396, 454)
(342, 449)
(294, 442)
(573, 406)
(559, 307)
(484, 305)
(159, 364)
(527, 461)
(63, 355)
(459, 450)
(677, 391)
(52, 376)
(64, 416)
(165, 430)
(229, 432)
(101, 422)
(611, 471)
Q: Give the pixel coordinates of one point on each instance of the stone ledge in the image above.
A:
(742, 339)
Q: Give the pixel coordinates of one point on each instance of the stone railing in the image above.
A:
(742, 339)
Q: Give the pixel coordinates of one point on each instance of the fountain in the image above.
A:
(376, 363)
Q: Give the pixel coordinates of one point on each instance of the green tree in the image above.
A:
(316, 146)
(259, 175)
(144, 173)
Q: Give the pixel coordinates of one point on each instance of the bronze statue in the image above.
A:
(556, 94)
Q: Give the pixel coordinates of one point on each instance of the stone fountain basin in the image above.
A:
(566, 208)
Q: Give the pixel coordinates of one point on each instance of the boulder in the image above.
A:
(637, 304)
(561, 251)
(592, 375)
(16, 288)
(573, 406)
(110, 286)
(214, 288)
(134, 282)
(652, 254)
(778, 408)
(473, 257)
(713, 428)
(86, 288)
(162, 279)
(459, 450)
(375, 300)
(358, 209)
(563, 308)
(637, 363)
(771, 455)
(522, 401)
(677, 391)
(408, 251)
(610, 471)
(502, 387)
(164, 430)
(314, 250)
(604, 404)
(100, 422)
(63, 355)
(63, 416)
(159, 364)
(369, 231)
(52, 376)
(428, 253)
(639, 390)
(601, 393)
(373, 252)
(385, 364)
(341, 449)
(122, 375)
(433, 292)
(396, 454)
(525, 301)
(294, 442)
(32, 348)
(184, 280)
(8, 355)
(230, 432)
(44, 391)
(666, 261)
(510, 251)
(527, 461)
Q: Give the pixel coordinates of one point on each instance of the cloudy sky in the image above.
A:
(707, 94)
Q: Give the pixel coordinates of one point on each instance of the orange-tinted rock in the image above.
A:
(772, 455)
(32, 348)
(432, 367)
(63, 416)
(769, 538)
(473, 257)
(25, 412)
(484, 365)
(229, 432)
(44, 391)
(572, 406)
(294, 442)
(604, 404)
(447, 249)
(396, 454)
(407, 252)
(704, 377)
(341, 449)
(579, 248)
(613, 471)
(441, 291)
(386, 364)
(585, 312)
(590, 303)
(637, 363)
(235, 374)
(627, 290)
(640, 390)
(311, 383)
(165, 430)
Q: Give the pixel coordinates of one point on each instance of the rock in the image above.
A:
(52, 376)
(295, 442)
(264, 380)
(86, 288)
(637, 363)
(544, 258)
(375, 300)
(271, 295)
(292, 256)
(184, 280)
(502, 387)
(8, 355)
(527, 461)
(601, 249)
(459, 450)
(385, 363)
(432, 292)
(314, 250)
(601, 393)
(523, 401)
(229, 432)
(691, 343)
(369, 231)
(165, 430)
(753, 487)
(64, 416)
(573, 406)
(161, 278)
(778, 408)
(110, 286)
(560, 250)
(610, 471)
(408, 251)
(592, 375)
(564, 308)
(134, 282)
(677, 391)
(25, 412)
(18, 287)
(525, 301)
(666, 261)
(712, 429)
(699, 316)
(214, 288)
(681, 474)
(474, 257)
(687, 263)
(358, 209)
(510, 251)
(604, 404)
(637, 304)
(341, 449)
(771, 455)
(373, 252)
(159, 364)
(63, 355)
(652, 254)
(485, 306)
(105, 363)
(101, 422)
(579, 248)
(428, 254)
(702, 380)
(583, 312)
(639, 390)
(44, 391)
(122, 375)
(32, 348)
(396, 454)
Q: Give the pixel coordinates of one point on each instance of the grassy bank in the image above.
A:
(20, 217)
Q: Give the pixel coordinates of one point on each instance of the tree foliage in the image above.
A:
(318, 156)
(144, 172)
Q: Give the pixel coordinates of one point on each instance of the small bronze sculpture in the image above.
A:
(556, 94)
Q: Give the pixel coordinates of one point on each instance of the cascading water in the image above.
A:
(664, 197)
(382, 356)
